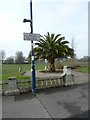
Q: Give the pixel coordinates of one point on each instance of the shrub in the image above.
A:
(58, 66)
(74, 65)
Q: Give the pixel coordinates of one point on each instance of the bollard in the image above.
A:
(12, 87)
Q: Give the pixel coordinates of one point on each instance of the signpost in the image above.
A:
(30, 36)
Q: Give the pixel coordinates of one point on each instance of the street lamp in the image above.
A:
(32, 52)
(26, 20)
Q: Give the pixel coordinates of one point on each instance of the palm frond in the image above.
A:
(51, 46)
(57, 36)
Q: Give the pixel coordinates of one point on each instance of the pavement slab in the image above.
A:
(79, 77)
(59, 102)
(65, 102)
(24, 107)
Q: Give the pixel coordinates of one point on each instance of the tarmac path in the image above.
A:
(78, 76)
(66, 102)
(61, 102)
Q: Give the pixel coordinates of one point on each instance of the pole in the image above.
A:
(32, 54)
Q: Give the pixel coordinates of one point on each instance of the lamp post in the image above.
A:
(32, 52)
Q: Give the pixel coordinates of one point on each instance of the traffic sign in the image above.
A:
(31, 36)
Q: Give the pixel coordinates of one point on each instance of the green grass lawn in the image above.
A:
(13, 70)
(83, 69)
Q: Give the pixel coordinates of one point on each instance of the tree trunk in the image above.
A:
(51, 66)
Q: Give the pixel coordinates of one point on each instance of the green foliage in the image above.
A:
(50, 47)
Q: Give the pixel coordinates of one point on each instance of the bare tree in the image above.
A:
(73, 46)
(73, 43)
(9, 60)
(19, 57)
(2, 55)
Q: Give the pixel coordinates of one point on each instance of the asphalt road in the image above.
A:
(61, 102)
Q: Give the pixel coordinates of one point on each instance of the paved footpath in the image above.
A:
(23, 106)
(60, 102)
(70, 102)
(78, 76)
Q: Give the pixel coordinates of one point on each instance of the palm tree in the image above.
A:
(51, 47)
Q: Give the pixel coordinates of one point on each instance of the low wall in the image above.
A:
(41, 83)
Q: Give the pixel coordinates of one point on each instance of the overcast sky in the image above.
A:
(67, 17)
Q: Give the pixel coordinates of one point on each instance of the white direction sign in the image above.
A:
(31, 36)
